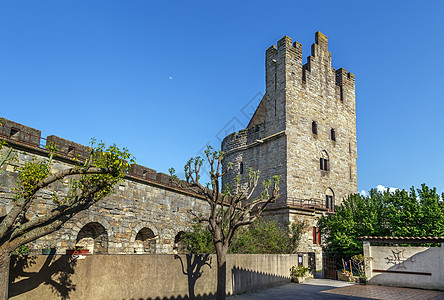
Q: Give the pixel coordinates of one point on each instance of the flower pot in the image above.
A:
(49, 251)
(297, 279)
(77, 252)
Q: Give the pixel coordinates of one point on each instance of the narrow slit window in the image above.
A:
(275, 81)
(333, 135)
(314, 127)
(241, 168)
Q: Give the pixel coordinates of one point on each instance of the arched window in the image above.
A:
(94, 237)
(314, 127)
(145, 241)
(333, 135)
(329, 199)
(324, 163)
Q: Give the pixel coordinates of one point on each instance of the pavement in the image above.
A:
(334, 289)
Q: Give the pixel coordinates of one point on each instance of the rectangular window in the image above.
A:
(333, 135)
(329, 201)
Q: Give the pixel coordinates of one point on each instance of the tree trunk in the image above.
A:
(5, 260)
(221, 254)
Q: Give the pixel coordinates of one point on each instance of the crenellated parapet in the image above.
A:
(24, 137)
(243, 138)
(17, 132)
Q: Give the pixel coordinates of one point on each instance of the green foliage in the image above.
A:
(300, 271)
(415, 213)
(199, 239)
(260, 237)
(30, 174)
(22, 250)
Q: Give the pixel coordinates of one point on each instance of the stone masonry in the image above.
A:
(143, 215)
(304, 130)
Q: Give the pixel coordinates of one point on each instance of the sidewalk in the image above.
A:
(332, 289)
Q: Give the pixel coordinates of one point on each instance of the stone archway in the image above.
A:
(145, 241)
(94, 237)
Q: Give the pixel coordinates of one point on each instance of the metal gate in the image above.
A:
(330, 268)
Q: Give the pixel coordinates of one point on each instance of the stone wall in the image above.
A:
(144, 214)
(143, 276)
(279, 139)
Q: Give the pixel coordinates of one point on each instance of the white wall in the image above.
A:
(418, 267)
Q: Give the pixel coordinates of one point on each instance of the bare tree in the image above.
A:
(231, 208)
(90, 181)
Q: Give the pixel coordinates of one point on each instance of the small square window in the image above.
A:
(14, 132)
(71, 150)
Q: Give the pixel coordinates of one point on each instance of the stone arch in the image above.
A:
(145, 241)
(329, 199)
(91, 218)
(94, 237)
(179, 244)
(139, 227)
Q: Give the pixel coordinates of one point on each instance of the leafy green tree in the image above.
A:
(416, 213)
(260, 237)
(90, 181)
(230, 209)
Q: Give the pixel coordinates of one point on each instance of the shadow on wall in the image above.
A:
(204, 296)
(54, 272)
(193, 269)
(246, 280)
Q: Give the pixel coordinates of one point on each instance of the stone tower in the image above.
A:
(304, 130)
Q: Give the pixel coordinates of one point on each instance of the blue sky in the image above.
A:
(166, 78)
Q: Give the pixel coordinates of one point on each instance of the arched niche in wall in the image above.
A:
(145, 241)
(94, 237)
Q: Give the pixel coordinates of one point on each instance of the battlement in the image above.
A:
(244, 137)
(20, 134)
(289, 54)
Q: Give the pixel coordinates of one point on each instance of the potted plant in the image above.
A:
(362, 263)
(78, 250)
(298, 274)
(48, 250)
